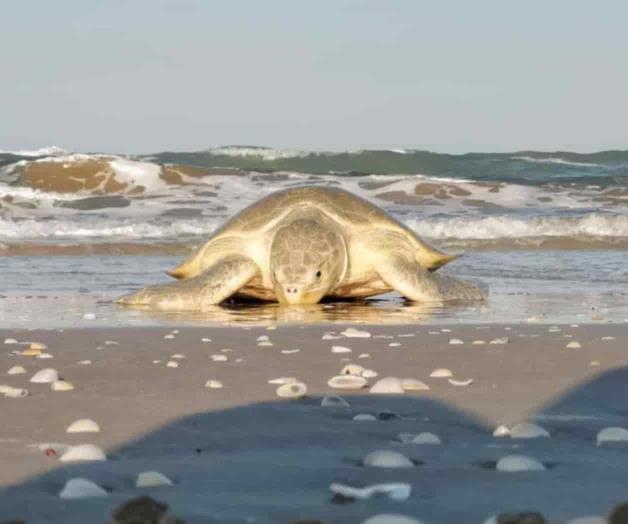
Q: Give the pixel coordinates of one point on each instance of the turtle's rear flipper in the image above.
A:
(211, 287)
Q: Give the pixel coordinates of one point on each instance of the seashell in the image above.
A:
(84, 362)
(283, 380)
(340, 349)
(178, 356)
(172, 364)
(80, 488)
(394, 490)
(478, 342)
(391, 518)
(31, 352)
(262, 338)
(332, 401)
(169, 336)
(219, 358)
(383, 458)
(45, 376)
(574, 344)
(528, 430)
(461, 383)
(518, 463)
(83, 453)
(151, 479)
(10, 341)
(45, 355)
(612, 434)
(89, 316)
(501, 431)
(330, 336)
(422, 438)
(11, 392)
(369, 373)
(412, 384)
(387, 386)
(213, 384)
(441, 373)
(265, 343)
(111, 343)
(346, 382)
(500, 340)
(292, 390)
(16, 370)
(364, 417)
(608, 338)
(38, 345)
(61, 385)
(455, 341)
(394, 344)
(355, 333)
(589, 519)
(83, 425)
(352, 369)
(290, 351)
(205, 339)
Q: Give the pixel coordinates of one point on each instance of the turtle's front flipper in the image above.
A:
(211, 287)
(416, 283)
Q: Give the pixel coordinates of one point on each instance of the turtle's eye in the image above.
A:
(318, 274)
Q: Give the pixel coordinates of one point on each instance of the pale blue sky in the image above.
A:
(451, 76)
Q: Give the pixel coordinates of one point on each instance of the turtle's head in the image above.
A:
(307, 260)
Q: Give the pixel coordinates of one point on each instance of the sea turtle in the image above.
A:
(299, 245)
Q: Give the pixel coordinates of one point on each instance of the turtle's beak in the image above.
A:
(297, 295)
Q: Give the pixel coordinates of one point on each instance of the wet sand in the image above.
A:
(242, 454)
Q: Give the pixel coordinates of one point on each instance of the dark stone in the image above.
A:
(619, 514)
(528, 517)
(142, 510)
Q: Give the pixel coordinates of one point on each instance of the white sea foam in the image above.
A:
(44, 151)
(553, 160)
(265, 153)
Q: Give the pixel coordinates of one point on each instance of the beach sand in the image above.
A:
(242, 454)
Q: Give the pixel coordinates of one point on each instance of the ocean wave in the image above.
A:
(262, 153)
(42, 152)
(554, 160)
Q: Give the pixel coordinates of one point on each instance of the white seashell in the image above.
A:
(355, 333)
(517, 463)
(387, 386)
(175, 331)
(369, 373)
(89, 316)
(364, 417)
(213, 384)
(219, 358)
(501, 431)
(262, 338)
(412, 384)
(346, 382)
(151, 479)
(11, 392)
(38, 346)
(528, 430)
(293, 390)
(441, 373)
(205, 339)
(394, 490)
(332, 401)
(352, 369)
(422, 438)
(45, 355)
(394, 344)
(290, 351)
(478, 342)
(455, 341)
(169, 336)
(283, 380)
(45, 376)
(501, 340)
(84, 362)
(391, 518)
(111, 343)
(80, 488)
(16, 370)
(330, 336)
(157, 361)
(10, 341)
(574, 344)
(588, 520)
(83, 425)
(461, 383)
(265, 343)
(61, 385)
(340, 349)
(612, 434)
(384, 458)
(83, 452)
(364, 355)
(608, 338)
(178, 356)
(405, 335)
(172, 364)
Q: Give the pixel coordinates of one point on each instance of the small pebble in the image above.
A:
(44, 355)
(38, 345)
(352, 369)
(478, 342)
(178, 356)
(501, 431)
